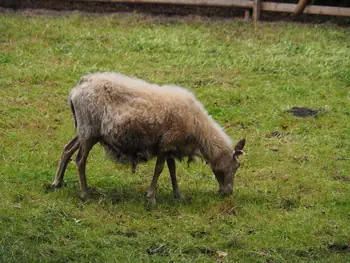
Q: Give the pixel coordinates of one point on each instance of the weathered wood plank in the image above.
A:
(229, 3)
(327, 10)
(311, 9)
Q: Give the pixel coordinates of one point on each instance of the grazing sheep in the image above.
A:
(135, 121)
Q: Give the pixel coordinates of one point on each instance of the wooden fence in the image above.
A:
(256, 6)
(251, 7)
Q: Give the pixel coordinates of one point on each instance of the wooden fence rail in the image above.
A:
(228, 3)
(255, 5)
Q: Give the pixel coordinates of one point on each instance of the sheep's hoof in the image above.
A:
(150, 198)
(57, 184)
(90, 194)
(84, 197)
(182, 199)
(50, 188)
(179, 196)
(151, 201)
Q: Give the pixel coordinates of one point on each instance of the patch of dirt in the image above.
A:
(304, 112)
(251, 231)
(339, 247)
(342, 178)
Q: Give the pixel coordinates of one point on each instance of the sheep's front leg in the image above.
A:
(151, 193)
(68, 150)
(172, 171)
(84, 149)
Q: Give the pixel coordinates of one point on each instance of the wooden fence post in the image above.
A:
(300, 7)
(246, 14)
(256, 10)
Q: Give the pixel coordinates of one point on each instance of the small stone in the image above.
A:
(275, 149)
(221, 254)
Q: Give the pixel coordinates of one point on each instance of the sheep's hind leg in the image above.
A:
(68, 150)
(172, 171)
(84, 149)
(151, 193)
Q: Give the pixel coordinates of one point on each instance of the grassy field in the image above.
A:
(291, 200)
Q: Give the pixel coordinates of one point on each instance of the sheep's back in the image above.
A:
(133, 117)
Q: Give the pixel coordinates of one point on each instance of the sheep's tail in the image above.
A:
(73, 112)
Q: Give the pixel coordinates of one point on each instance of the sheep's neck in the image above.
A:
(213, 145)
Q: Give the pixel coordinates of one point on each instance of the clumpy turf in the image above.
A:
(291, 198)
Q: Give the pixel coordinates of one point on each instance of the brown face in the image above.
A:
(225, 177)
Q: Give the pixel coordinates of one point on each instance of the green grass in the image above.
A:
(290, 205)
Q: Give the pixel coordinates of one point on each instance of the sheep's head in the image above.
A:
(226, 174)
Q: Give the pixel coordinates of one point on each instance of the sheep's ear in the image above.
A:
(239, 147)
